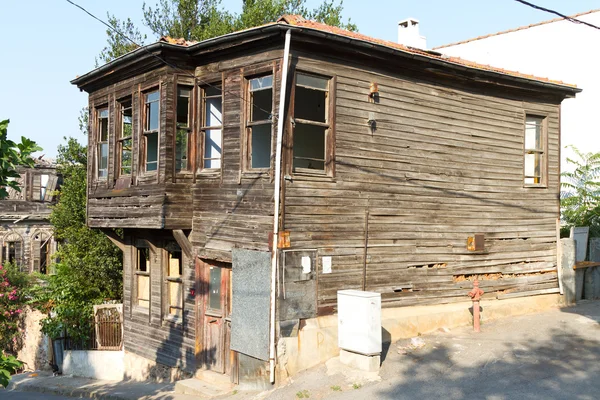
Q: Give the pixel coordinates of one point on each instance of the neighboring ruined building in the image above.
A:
(242, 219)
(25, 232)
(558, 48)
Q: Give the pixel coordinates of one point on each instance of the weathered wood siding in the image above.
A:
(443, 164)
(149, 332)
(235, 208)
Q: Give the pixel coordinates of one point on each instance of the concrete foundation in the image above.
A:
(138, 368)
(317, 339)
(360, 361)
(103, 365)
(567, 274)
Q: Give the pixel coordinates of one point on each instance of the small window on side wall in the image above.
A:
(259, 124)
(151, 129)
(102, 142)
(212, 129)
(174, 282)
(142, 276)
(184, 128)
(534, 151)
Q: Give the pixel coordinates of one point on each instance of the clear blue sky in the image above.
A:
(46, 43)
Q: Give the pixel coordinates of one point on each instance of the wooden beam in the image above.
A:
(184, 243)
(113, 237)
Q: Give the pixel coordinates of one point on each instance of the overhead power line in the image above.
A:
(570, 19)
(162, 60)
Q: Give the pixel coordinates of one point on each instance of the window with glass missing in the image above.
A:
(184, 128)
(311, 125)
(534, 151)
(212, 128)
(142, 276)
(174, 282)
(12, 250)
(259, 124)
(102, 142)
(125, 137)
(151, 130)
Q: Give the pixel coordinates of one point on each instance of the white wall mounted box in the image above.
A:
(359, 321)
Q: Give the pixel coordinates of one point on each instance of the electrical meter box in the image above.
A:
(359, 321)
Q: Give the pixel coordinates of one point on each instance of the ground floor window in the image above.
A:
(142, 275)
(12, 249)
(174, 281)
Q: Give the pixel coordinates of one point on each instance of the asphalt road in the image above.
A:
(10, 395)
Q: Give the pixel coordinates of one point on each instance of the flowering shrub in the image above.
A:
(12, 301)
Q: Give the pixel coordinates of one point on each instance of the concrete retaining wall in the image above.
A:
(105, 365)
(317, 340)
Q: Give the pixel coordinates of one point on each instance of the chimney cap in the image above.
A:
(408, 21)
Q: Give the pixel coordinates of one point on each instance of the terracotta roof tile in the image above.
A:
(516, 29)
(298, 20)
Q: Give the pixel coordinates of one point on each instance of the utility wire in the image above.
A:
(570, 19)
(274, 116)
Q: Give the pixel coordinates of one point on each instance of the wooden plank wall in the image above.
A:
(235, 208)
(144, 200)
(148, 333)
(443, 164)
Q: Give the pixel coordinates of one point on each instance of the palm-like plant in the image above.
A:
(580, 194)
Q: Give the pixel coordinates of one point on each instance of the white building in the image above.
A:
(557, 49)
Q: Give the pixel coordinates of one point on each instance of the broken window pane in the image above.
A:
(152, 151)
(102, 160)
(533, 133)
(264, 82)
(261, 146)
(261, 98)
(181, 150)
(183, 107)
(43, 185)
(212, 148)
(310, 104)
(103, 127)
(126, 157)
(127, 116)
(309, 146)
(143, 259)
(151, 111)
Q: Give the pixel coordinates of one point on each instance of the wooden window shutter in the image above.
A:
(36, 187)
(50, 187)
(19, 254)
(35, 254)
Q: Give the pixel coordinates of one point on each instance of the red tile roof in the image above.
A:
(299, 21)
(516, 29)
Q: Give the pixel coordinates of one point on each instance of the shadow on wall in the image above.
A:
(560, 362)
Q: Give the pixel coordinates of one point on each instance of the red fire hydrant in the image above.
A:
(475, 295)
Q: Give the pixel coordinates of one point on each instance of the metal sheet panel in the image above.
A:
(251, 289)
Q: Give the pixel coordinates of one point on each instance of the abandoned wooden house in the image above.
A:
(25, 231)
(256, 174)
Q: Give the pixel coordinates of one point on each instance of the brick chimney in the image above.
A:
(408, 34)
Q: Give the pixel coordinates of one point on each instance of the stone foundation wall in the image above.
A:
(34, 352)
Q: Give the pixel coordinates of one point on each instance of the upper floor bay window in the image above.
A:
(259, 124)
(125, 137)
(212, 126)
(311, 125)
(151, 130)
(535, 151)
(184, 128)
(102, 142)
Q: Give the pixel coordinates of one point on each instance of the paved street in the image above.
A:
(10, 395)
(550, 355)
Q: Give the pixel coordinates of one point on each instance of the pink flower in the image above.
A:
(1, 294)
(19, 311)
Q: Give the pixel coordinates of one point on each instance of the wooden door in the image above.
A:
(217, 317)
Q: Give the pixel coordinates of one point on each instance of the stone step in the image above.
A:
(215, 378)
(201, 389)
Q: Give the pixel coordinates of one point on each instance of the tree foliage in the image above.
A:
(89, 269)
(11, 156)
(118, 42)
(580, 193)
(204, 19)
